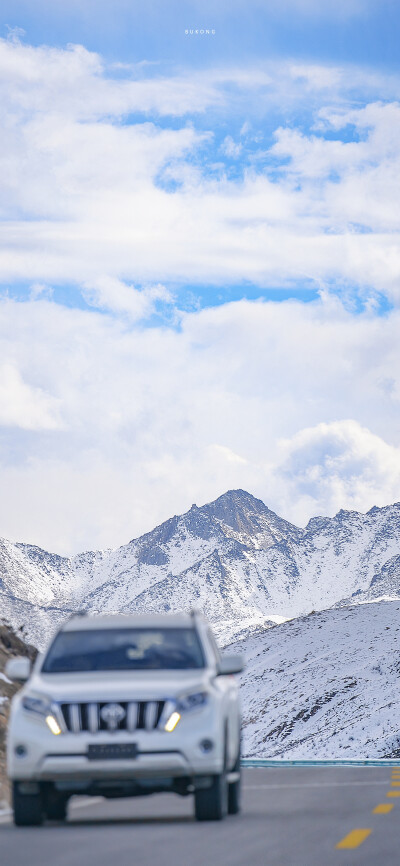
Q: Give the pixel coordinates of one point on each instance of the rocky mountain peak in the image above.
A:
(239, 510)
(233, 556)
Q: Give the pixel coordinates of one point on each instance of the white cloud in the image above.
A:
(73, 82)
(341, 463)
(85, 197)
(317, 77)
(40, 290)
(108, 426)
(24, 405)
(109, 293)
(249, 395)
(230, 148)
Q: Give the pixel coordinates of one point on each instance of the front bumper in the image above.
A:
(47, 757)
(147, 765)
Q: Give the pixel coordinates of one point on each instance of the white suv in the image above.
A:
(125, 706)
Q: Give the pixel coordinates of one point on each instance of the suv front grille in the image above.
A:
(137, 715)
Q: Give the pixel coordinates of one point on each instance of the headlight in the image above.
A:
(192, 702)
(43, 707)
(36, 705)
(183, 705)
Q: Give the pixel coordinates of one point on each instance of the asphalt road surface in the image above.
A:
(292, 816)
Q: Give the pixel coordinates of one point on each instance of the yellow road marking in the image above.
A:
(353, 839)
(393, 794)
(383, 808)
(395, 784)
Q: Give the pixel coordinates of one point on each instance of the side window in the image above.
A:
(214, 645)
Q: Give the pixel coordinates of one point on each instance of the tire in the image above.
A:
(234, 790)
(56, 808)
(28, 808)
(211, 804)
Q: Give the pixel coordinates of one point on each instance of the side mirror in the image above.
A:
(230, 664)
(18, 669)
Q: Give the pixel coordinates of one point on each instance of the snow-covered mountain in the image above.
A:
(234, 558)
(324, 686)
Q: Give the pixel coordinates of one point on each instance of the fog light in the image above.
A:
(20, 750)
(206, 746)
(53, 725)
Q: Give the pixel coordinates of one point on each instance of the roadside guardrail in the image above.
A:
(358, 762)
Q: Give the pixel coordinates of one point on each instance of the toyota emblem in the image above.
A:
(112, 715)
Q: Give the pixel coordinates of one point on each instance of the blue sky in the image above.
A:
(363, 32)
(200, 261)
(271, 68)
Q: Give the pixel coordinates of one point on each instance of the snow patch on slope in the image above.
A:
(324, 686)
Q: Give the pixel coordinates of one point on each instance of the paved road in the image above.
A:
(292, 816)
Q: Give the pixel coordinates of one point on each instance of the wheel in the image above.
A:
(54, 802)
(211, 804)
(234, 789)
(55, 807)
(28, 808)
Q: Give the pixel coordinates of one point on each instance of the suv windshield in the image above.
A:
(126, 649)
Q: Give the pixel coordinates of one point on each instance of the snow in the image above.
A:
(246, 567)
(320, 683)
(4, 678)
(325, 686)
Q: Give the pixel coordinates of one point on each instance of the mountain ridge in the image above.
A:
(234, 556)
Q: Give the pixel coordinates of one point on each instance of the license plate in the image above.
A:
(112, 751)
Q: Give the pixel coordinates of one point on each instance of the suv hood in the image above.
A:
(118, 685)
